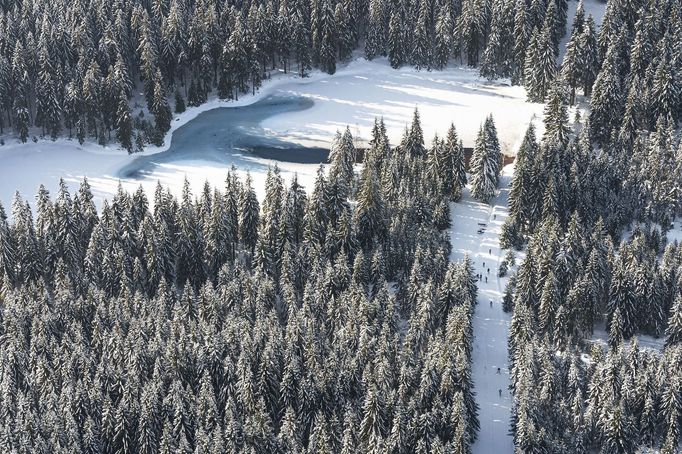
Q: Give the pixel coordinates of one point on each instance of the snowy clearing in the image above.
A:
(491, 324)
(364, 90)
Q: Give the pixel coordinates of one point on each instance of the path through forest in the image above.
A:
(491, 324)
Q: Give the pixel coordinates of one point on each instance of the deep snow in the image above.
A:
(491, 324)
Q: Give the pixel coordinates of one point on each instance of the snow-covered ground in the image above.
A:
(363, 91)
(491, 323)
(354, 96)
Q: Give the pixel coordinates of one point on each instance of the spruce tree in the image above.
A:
(607, 100)
(522, 37)
(420, 56)
(444, 37)
(674, 330)
(248, 215)
(588, 57)
(396, 56)
(160, 108)
(540, 66)
(124, 124)
(485, 163)
(328, 39)
(375, 43)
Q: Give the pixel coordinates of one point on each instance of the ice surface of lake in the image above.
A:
(226, 134)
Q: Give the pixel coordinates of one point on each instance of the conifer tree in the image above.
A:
(396, 56)
(607, 100)
(498, 56)
(588, 56)
(124, 124)
(328, 39)
(485, 162)
(248, 216)
(522, 37)
(420, 56)
(346, 40)
(301, 39)
(160, 108)
(375, 43)
(444, 37)
(674, 329)
(540, 66)
(369, 218)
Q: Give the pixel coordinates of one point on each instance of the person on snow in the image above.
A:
(498, 371)
(500, 392)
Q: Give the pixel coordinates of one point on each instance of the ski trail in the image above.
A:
(491, 324)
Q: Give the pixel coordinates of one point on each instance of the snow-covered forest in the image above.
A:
(412, 295)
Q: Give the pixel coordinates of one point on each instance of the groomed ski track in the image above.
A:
(491, 324)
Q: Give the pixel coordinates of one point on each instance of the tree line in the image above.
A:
(74, 69)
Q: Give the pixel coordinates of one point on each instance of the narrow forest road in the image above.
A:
(491, 324)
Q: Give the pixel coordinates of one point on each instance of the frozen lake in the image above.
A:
(226, 134)
(290, 123)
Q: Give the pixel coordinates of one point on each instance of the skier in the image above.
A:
(498, 371)
(494, 217)
(486, 279)
(488, 270)
(490, 251)
(500, 392)
(491, 303)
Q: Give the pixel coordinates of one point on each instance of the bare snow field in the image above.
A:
(352, 97)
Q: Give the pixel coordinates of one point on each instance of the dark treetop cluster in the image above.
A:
(76, 67)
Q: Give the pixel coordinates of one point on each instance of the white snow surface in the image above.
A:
(354, 96)
(363, 91)
(491, 324)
